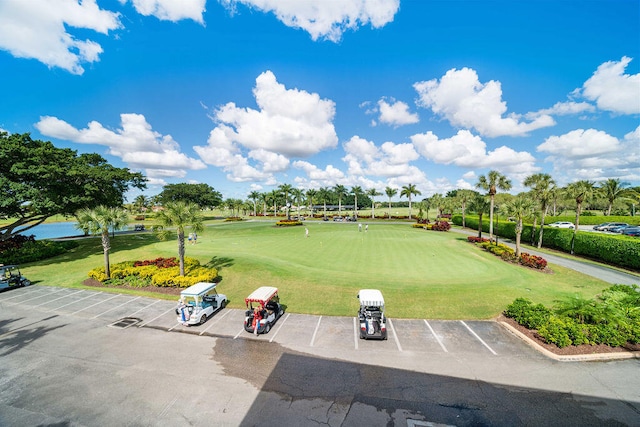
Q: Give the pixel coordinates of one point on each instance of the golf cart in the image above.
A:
(10, 277)
(373, 323)
(199, 302)
(263, 310)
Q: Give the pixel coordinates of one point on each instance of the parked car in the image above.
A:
(613, 225)
(632, 231)
(338, 218)
(600, 227)
(562, 224)
(263, 310)
(10, 277)
(373, 323)
(620, 228)
(198, 303)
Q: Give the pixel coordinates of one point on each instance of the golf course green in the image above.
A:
(422, 274)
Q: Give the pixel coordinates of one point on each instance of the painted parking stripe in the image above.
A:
(279, 327)
(73, 302)
(157, 317)
(118, 306)
(20, 294)
(395, 336)
(216, 320)
(93, 305)
(40, 296)
(143, 308)
(313, 337)
(174, 326)
(56, 299)
(355, 332)
(436, 337)
(479, 339)
(238, 334)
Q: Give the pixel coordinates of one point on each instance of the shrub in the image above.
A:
(233, 218)
(527, 314)
(474, 239)
(158, 262)
(288, 222)
(35, 250)
(441, 226)
(533, 261)
(555, 332)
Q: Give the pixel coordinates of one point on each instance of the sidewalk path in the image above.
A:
(601, 272)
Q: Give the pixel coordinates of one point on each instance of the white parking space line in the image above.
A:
(40, 296)
(436, 336)
(93, 305)
(118, 306)
(313, 338)
(20, 294)
(157, 317)
(238, 334)
(73, 302)
(56, 299)
(479, 339)
(279, 327)
(143, 308)
(216, 320)
(174, 326)
(395, 336)
(355, 332)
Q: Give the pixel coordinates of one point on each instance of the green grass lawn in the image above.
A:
(422, 274)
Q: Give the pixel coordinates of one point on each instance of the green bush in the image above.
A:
(35, 251)
(555, 332)
(527, 314)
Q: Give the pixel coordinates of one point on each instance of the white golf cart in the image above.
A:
(10, 277)
(373, 323)
(198, 303)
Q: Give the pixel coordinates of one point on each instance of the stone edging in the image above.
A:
(572, 358)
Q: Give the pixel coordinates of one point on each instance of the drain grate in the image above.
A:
(125, 322)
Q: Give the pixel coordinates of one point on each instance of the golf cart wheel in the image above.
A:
(203, 319)
(223, 304)
(267, 328)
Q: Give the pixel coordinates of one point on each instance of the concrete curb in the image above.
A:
(574, 358)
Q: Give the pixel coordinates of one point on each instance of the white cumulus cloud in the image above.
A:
(289, 123)
(42, 30)
(612, 90)
(396, 113)
(325, 19)
(465, 102)
(170, 10)
(136, 143)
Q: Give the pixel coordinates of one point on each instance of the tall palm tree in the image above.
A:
(464, 197)
(356, 190)
(613, 189)
(323, 195)
(480, 206)
(286, 189)
(297, 194)
(340, 191)
(438, 201)
(179, 216)
(101, 220)
(264, 199)
(274, 195)
(580, 191)
(254, 196)
(390, 192)
(311, 194)
(140, 202)
(426, 202)
(542, 186)
(519, 209)
(408, 191)
(372, 192)
(493, 182)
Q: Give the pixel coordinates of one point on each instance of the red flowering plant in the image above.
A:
(533, 261)
(158, 262)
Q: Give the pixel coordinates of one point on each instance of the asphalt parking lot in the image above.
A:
(82, 357)
(295, 330)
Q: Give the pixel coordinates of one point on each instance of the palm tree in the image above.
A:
(286, 189)
(464, 197)
(519, 209)
(140, 202)
(101, 220)
(426, 202)
(179, 215)
(438, 201)
(580, 191)
(408, 191)
(356, 190)
(273, 197)
(542, 186)
(613, 189)
(340, 191)
(480, 206)
(297, 196)
(264, 199)
(254, 196)
(373, 193)
(492, 183)
(390, 192)
(311, 194)
(323, 195)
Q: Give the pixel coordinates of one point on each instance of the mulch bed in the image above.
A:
(154, 289)
(572, 350)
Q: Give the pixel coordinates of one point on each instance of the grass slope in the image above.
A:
(422, 274)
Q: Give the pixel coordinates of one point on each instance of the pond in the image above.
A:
(52, 230)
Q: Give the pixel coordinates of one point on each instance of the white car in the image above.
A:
(562, 224)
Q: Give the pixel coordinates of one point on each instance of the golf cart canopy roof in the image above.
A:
(371, 297)
(198, 288)
(261, 295)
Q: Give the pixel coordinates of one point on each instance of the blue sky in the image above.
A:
(246, 95)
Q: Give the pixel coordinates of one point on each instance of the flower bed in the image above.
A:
(436, 226)
(508, 254)
(288, 222)
(234, 218)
